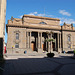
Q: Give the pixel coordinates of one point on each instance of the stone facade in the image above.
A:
(30, 33)
(2, 23)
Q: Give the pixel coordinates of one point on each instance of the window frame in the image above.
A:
(17, 36)
(69, 37)
(16, 45)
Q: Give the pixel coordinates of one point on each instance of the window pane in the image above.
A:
(42, 23)
(17, 35)
(16, 45)
(68, 38)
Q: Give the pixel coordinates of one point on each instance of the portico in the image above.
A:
(35, 41)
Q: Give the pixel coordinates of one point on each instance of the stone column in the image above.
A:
(60, 44)
(46, 46)
(30, 40)
(41, 40)
(38, 40)
(58, 41)
(25, 39)
(49, 43)
(55, 43)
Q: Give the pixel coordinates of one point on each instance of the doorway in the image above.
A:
(34, 44)
(44, 43)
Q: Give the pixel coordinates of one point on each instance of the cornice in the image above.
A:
(38, 27)
(32, 16)
(35, 27)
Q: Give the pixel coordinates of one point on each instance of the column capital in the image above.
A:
(40, 32)
(59, 33)
(30, 31)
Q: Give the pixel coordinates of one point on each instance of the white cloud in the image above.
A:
(21, 16)
(68, 21)
(43, 15)
(33, 13)
(36, 14)
(64, 12)
(40, 14)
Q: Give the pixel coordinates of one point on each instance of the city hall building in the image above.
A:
(30, 32)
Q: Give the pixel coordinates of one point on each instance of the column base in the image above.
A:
(59, 50)
(29, 50)
(48, 50)
(40, 50)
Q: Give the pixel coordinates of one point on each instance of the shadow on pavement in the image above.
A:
(70, 52)
(37, 66)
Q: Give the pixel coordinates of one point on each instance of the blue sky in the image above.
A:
(62, 9)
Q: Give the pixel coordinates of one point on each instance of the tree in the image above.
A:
(50, 39)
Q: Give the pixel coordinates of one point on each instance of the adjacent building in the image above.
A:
(30, 32)
(2, 23)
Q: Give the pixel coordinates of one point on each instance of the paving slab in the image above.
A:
(30, 65)
(68, 69)
(39, 64)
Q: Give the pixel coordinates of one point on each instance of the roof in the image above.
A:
(39, 17)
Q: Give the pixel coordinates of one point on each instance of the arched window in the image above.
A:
(17, 36)
(42, 23)
(69, 38)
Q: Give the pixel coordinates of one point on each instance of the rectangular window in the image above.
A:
(16, 45)
(17, 36)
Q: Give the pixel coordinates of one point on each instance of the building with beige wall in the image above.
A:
(30, 32)
(2, 23)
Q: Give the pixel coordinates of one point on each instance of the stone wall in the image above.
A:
(12, 37)
(65, 40)
(38, 20)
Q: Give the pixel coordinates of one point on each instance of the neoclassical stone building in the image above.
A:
(30, 32)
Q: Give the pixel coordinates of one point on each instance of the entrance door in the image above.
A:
(53, 46)
(44, 46)
(32, 46)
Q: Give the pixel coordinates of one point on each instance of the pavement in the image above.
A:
(39, 64)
